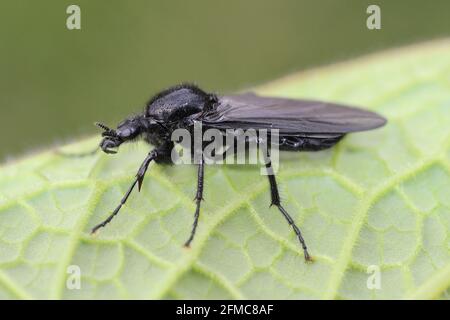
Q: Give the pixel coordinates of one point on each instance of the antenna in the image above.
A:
(108, 131)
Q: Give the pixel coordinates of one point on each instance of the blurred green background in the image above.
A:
(56, 82)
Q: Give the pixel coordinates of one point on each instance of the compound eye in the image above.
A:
(126, 132)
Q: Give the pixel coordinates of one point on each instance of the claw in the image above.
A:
(94, 232)
(140, 177)
(143, 169)
(140, 180)
(308, 258)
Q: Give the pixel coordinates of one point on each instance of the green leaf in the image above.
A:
(380, 199)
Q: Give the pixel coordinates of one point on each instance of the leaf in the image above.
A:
(379, 201)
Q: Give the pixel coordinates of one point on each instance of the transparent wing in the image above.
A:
(290, 116)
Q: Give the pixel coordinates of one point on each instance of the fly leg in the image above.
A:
(138, 180)
(277, 202)
(198, 199)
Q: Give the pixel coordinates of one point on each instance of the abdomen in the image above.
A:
(296, 143)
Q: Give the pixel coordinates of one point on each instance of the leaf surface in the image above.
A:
(378, 204)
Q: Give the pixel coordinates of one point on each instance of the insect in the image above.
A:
(303, 126)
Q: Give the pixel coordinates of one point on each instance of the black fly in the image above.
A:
(303, 126)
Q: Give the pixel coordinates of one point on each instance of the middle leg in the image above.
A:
(277, 202)
(198, 199)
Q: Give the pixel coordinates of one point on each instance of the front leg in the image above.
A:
(198, 199)
(153, 155)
